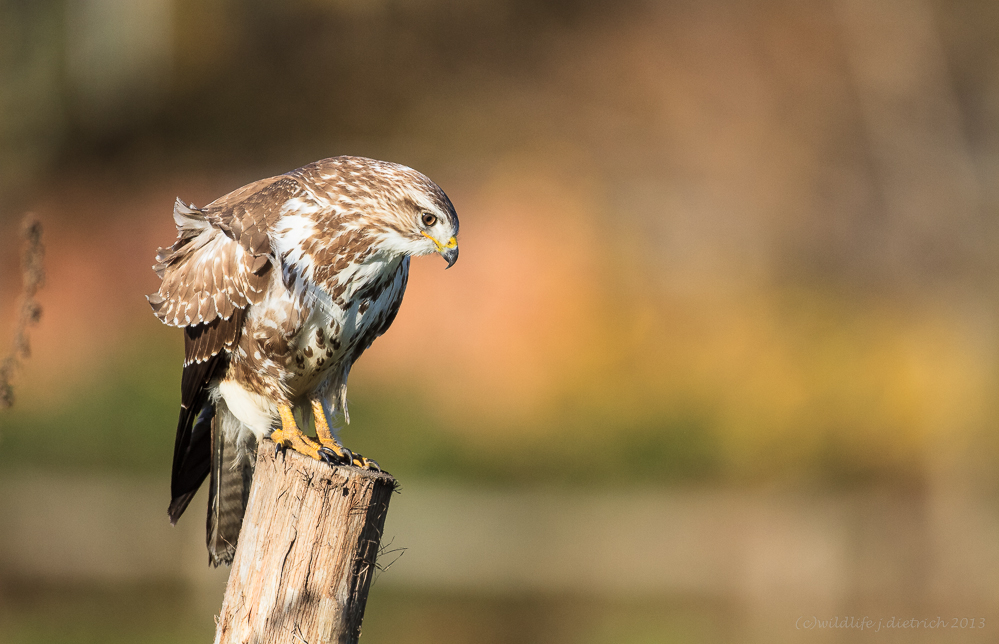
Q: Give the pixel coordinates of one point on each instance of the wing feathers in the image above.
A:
(206, 340)
(191, 452)
(207, 275)
(206, 357)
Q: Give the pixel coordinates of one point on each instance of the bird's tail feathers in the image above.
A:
(233, 460)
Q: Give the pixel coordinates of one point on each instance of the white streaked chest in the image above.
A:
(337, 329)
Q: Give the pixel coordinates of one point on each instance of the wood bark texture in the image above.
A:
(306, 552)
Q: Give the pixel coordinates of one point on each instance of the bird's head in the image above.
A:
(407, 213)
(437, 229)
(435, 222)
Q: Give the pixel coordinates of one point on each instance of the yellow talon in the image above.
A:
(323, 431)
(291, 436)
(325, 435)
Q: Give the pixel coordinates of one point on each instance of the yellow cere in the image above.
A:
(451, 243)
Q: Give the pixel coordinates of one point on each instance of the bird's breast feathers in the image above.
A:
(305, 328)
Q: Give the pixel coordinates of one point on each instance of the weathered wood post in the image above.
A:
(306, 552)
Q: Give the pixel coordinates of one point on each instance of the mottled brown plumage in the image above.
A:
(280, 286)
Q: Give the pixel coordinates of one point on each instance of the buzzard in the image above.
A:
(279, 287)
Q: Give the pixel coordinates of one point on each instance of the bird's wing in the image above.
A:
(208, 274)
(206, 358)
(210, 278)
(219, 267)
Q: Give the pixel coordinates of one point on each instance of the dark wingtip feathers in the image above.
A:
(178, 505)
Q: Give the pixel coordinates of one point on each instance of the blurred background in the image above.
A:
(722, 344)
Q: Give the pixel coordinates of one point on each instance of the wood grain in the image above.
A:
(306, 552)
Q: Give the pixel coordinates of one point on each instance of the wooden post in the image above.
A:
(306, 552)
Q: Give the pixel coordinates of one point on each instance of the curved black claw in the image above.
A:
(333, 458)
(364, 463)
(279, 449)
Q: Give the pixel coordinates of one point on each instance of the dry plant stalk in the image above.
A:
(33, 277)
(306, 553)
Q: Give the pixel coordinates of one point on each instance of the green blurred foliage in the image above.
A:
(117, 420)
(122, 420)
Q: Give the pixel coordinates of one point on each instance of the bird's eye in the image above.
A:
(428, 219)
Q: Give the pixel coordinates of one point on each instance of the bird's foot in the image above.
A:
(332, 447)
(289, 435)
(299, 442)
(344, 456)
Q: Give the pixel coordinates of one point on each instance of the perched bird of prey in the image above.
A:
(279, 287)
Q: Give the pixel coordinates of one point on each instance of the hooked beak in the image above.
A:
(448, 251)
(451, 255)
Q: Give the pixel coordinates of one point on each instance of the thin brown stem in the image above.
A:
(33, 278)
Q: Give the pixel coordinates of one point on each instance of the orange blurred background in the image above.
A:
(727, 274)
